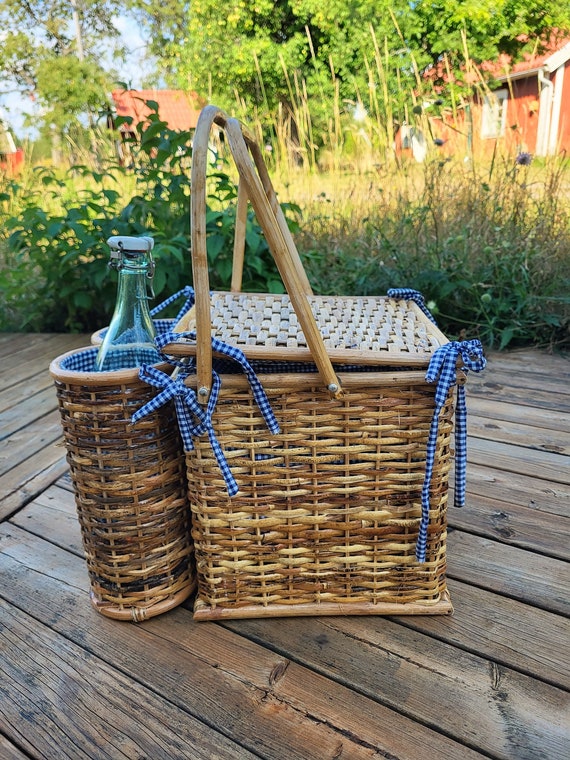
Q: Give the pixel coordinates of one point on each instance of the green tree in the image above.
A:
(224, 47)
(490, 27)
(268, 53)
(52, 52)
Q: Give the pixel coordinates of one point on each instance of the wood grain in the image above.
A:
(492, 680)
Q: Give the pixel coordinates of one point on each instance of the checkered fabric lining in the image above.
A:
(84, 361)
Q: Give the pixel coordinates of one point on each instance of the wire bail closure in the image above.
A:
(130, 248)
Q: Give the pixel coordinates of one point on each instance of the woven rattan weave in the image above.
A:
(319, 509)
(130, 489)
(365, 330)
(327, 514)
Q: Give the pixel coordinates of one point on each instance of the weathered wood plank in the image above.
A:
(519, 459)
(19, 394)
(53, 516)
(19, 416)
(514, 525)
(25, 443)
(506, 373)
(505, 393)
(541, 581)
(530, 361)
(503, 486)
(37, 355)
(502, 630)
(542, 439)
(67, 703)
(267, 703)
(504, 713)
(20, 484)
(488, 408)
(9, 752)
(14, 343)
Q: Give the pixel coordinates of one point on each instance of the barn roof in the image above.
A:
(552, 54)
(175, 107)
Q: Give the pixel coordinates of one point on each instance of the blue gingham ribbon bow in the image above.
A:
(443, 369)
(193, 418)
(412, 295)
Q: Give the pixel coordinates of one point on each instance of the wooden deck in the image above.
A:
(490, 681)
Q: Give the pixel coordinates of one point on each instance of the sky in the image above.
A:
(14, 106)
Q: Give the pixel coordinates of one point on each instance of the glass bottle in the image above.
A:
(129, 339)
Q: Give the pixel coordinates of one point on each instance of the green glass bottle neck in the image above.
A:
(134, 279)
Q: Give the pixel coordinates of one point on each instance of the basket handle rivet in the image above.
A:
(333, 387)
(203, 391)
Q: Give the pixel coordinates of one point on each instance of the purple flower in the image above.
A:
(523, 159)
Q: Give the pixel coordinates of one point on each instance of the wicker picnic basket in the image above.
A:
(130, 489)
(308, 429)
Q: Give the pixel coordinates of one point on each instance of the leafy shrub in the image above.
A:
(488, 246)
(53, 270)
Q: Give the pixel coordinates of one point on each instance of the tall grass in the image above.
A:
(488, 246)
(487, 240)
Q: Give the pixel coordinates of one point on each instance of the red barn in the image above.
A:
(178, 109)
(530, 107)
(522, 108)
(11, 157)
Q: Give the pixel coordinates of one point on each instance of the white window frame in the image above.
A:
(494, 114)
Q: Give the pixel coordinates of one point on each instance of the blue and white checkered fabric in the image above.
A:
(84, 360)
(236, 355)
(443, 369)
(193, 418)
(412, 295)
(81, 361)
(188, 293)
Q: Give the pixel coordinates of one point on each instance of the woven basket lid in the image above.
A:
(364, 330)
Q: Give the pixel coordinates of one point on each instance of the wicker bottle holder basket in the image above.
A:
(130, 489)
(324, 514)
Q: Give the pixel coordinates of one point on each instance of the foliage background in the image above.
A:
(325, 85)
(67, 54)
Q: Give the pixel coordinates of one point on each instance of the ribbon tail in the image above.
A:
(184, 422)
(460, 448)
(229, 480)
(421, 544)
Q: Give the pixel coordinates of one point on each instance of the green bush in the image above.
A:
(53, 257)
(489, 247)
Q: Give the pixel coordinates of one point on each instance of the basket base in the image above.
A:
(442, 606)
(139, 614)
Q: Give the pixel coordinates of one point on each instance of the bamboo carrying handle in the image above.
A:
(253, 175)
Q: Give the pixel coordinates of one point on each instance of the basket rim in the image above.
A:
(107, 378)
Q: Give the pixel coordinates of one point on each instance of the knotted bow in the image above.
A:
(412, 295)
(443, 368)
(193, 418)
